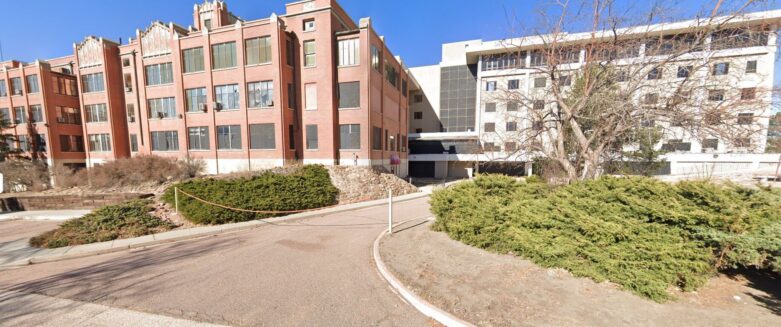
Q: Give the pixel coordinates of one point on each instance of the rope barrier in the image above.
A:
(260, 211)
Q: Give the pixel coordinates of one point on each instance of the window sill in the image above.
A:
(257, 65)
(230, 150)
(96, 122)
(170, 118)
(159, 85)
(310, 31)
(195, 112)
(353, 108)
(199, 150)
(349, 66)
(227, 110)
(274, 149)
(193, 73)
(349, 150)
(166, 151)
(93, 92)
(261, 108)
(310, 109)
(311, 150)
(310, 67)
(223, 69)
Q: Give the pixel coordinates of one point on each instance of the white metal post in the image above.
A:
(176, 199)
(390, 211)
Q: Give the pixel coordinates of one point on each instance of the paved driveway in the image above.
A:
(319, 272)
(14, 230)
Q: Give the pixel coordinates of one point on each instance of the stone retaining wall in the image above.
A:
(70, 201)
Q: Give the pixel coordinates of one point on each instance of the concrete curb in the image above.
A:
(426, 308)
(80, 251)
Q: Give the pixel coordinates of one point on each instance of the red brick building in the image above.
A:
(309, 86)
(40, 101)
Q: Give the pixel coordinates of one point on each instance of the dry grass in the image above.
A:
(136, 171)
(33, 175)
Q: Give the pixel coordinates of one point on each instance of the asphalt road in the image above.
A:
(317, 272)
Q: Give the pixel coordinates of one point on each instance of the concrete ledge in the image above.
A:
(79, 251)
(426, 308)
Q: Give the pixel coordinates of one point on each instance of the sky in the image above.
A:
(414, 29)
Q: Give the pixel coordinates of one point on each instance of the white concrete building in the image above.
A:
(457, 121)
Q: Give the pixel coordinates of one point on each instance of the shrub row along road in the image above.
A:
(317, 272)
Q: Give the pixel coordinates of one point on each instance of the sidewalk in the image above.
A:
(19, 253)
(62, 312)
(56, 215)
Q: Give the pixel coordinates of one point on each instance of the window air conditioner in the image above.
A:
(128, 89)
(160, 115)
(204, 107)
(217, 106)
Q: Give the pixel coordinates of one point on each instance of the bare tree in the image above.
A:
(587, 98)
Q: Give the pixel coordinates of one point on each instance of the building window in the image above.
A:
(490, 86)
(538, 105)
(349, 137)
(349, 52)
(68, 115)
(489, 127)
(131, 113)
(36, 113)
(512, 106)
(310, 96)
(159, 74)
(24, 143)
(377, 138)
(745, 118)
(489, 147)
(262, 137)
(165, 141)
(227, 96)
(751, 66)
(162, 108)
(5, 115)
(418, 98)
(677, 145)
(93, 83)
(198, 138)
(418, 130)
(511, 126)
(684, 71)
(749, 93)
(513, 84)
(133, 143)
(224, 55)
(349, 95)
(16, 86)
(716, 95)
(291, 95)
(195, 99)
(258, 50)
(260, 94)
(655, 73)
(490, 107)
(721, 68)
(128, 83)
(289, 52)
(418, 115)
(291, 136)
(125, 62)
(743, 142)
(3, 89)
(391, 75)
(229, 137)
(404, 88)
(311, 137)
(72, 143)
(712, 144)
(61, 85)
(510, 146)
(192, 60)
(96, 113)
(540, 82)
(99, 142)
(376, 58)
(207, 24)
(309, 25)
(565, 80)
(20, 116)
(309, 53)
(651, 98)
(32, 84)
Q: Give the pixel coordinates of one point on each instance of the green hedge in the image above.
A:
(125, 220)
(308, 188)
(641, 233)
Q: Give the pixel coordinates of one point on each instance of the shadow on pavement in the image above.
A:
(108, 280)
